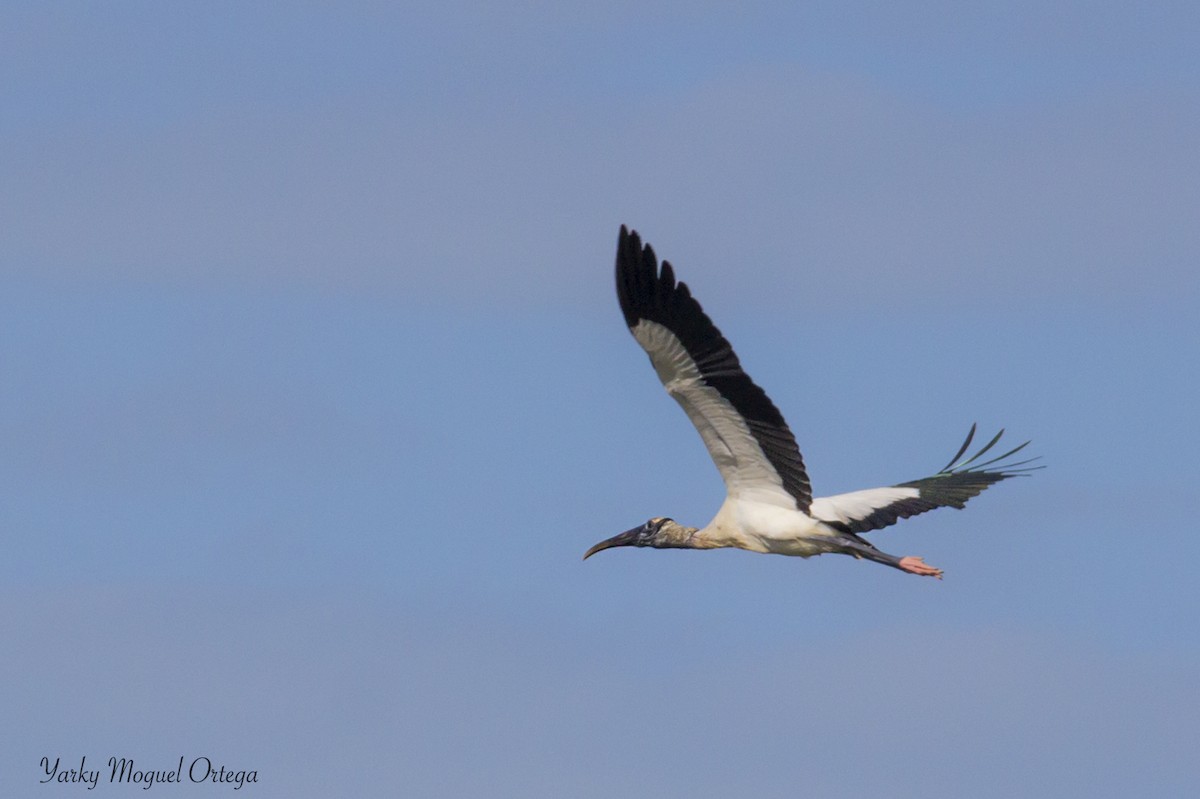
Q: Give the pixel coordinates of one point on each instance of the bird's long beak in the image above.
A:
(623, 540)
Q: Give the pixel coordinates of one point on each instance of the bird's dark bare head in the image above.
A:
(659, 532)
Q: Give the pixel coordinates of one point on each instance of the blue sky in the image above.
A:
(316, 391)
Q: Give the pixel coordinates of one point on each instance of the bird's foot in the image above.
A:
(915, 565)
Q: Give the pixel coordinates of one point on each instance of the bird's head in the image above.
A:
(659, 532)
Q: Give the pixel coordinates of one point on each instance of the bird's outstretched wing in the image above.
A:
(952, 486)
(746, 435)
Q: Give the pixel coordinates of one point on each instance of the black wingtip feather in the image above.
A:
(982, 450)
(962, 449)
(1006, 455)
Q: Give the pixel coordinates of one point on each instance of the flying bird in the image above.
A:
(769, 506)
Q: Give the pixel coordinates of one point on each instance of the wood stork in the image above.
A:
(769, 506)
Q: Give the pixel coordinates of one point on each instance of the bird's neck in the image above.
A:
(678, 536)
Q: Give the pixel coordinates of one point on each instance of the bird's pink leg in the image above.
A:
(915, 565)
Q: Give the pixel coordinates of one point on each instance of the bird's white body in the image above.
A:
(768, 528)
